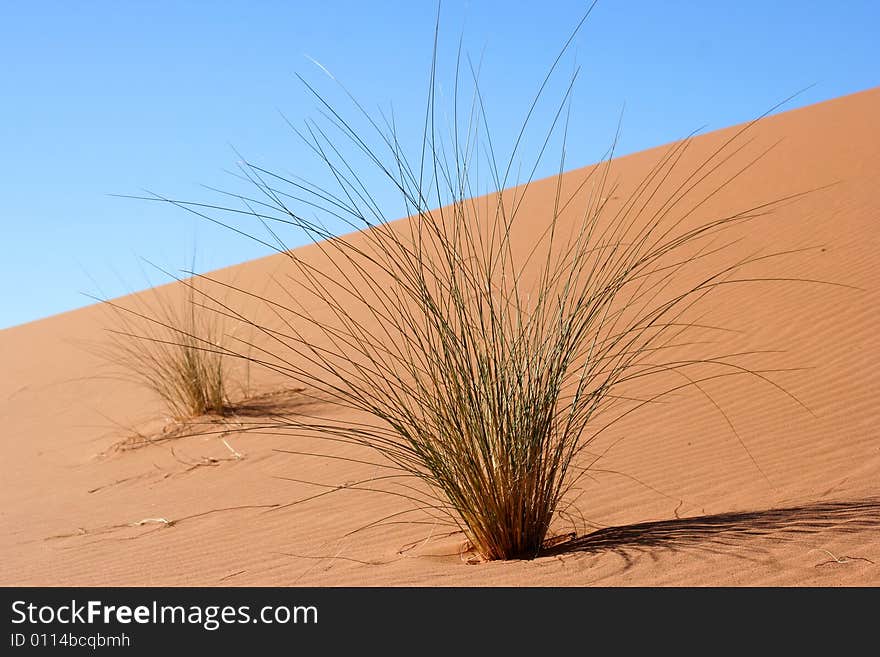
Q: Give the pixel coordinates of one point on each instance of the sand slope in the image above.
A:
(684, 504)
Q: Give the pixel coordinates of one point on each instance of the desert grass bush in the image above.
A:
(486, 341)
(173, 345)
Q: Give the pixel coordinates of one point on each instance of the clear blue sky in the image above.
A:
(115, 97)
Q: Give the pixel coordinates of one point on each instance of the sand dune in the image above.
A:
(679, 501)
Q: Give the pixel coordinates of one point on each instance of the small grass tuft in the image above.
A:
(175, 348)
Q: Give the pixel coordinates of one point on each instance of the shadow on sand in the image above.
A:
(723, 531)
(280, 403)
